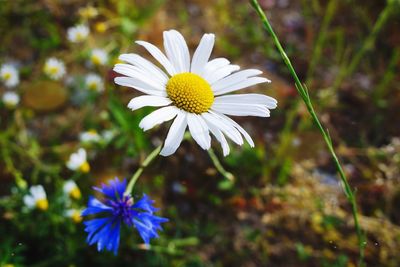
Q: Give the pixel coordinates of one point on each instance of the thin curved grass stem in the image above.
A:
(303, 92)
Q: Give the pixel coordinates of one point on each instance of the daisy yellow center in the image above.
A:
(76, 216)
(92, 86)
(42, 204)
(7, 76)
(96, 60)
(52, 70)
(85, 167)
(79, 36)
(92, 132)
(190, 92)
(75, 193)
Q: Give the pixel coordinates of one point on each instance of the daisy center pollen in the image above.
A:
(190, 92)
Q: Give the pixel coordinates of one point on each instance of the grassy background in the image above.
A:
(285, 208)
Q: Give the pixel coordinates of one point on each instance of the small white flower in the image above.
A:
(77, 161)
(9, 75)
(74, 214)
(78, 33)
(94, 82)
(90, 136)
(71, 189)
(98, 57)
(108, 135)
(54, 68)
(36, 198)
(192, 92)
(10, 99)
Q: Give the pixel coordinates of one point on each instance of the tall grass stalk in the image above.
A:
(303, 92)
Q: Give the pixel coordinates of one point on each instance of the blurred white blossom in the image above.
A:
(94, 82)
(78, 33)
(98, 57)
(36, 198)
(77, 161)
(54, 68)
(10, 99)
(9, 75)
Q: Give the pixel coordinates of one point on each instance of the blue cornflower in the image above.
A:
(117, 209)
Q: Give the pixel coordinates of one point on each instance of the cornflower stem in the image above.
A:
(139, 171)
(219, 166)
(303, 92)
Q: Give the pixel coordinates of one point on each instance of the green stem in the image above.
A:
(139, 171)
(219, 166)
(302, 90)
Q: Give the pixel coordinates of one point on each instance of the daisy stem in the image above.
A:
(303, 92)
(139, 171)
(219, 166)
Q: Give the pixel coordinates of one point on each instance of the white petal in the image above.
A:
(139, 85)
(246, 83)
(227, 128)
(241, 130)
(214, 64)
(234, 79)
(250, 99)
(220, 73)
(37, 191)
(138, 74)
(146, 65)
(29, 201)
(82, 154)
(177, 51)
(202, 53)
(148, 100)
(159, 116)
(159, 56)
(175, 134)
(199, 130)
(220, 137)
(241, 109)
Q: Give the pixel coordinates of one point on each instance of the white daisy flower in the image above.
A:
(191, 92)
(78, 161)
(71, 189)
(74, 214)
(9, 75)
(98, 57)
(90, 136)
(78, 33)
(54, 68)
(36, 198)
(94, 82)
(10, 99)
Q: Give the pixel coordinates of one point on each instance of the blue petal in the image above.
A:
(144, 230)
(102, 237)
(147, 225)
(93, 227)
(145, 203)
(95, 206)
(115, 190)
(113, 242)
